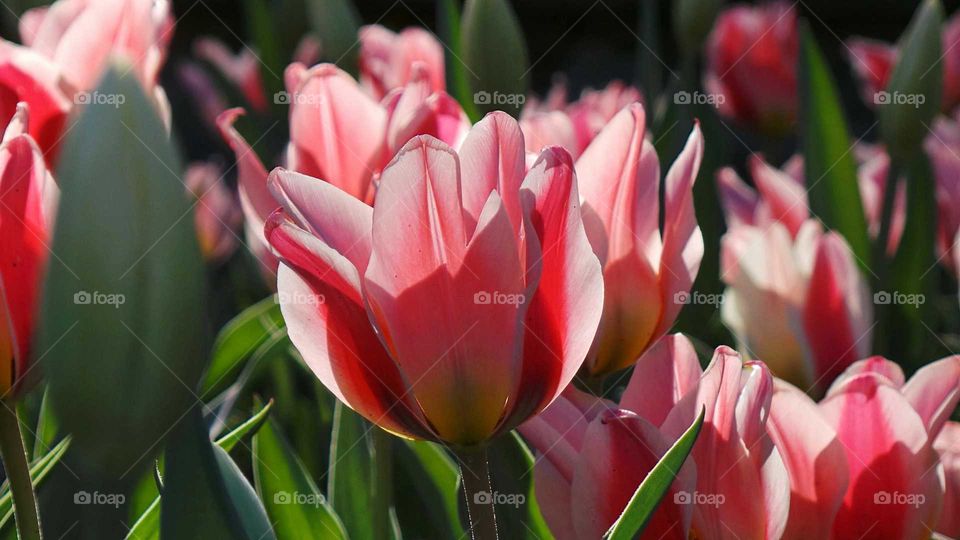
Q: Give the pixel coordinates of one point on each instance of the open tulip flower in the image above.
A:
(735, 484)
(795, 298)
(28, 198)
(751, 65)
(644, 270)
(456, 307)
(387, 59)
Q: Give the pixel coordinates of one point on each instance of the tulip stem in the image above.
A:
(478, 491)
(383, 478)
(18, 473)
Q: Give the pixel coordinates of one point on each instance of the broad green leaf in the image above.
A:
(495, 56)
(39, 470)
(237, 341)
(350, 479)
(911, 99)
(645, 500)
(511, 476)
(205, 495)
(831, 173)
(147, 525)
(121, 324)
(425, 470)
(336, 25)
(294, 503)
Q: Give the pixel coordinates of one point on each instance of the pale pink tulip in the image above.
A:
(388, 59)
(595, 108)
(751, 65)
(417, 109)
(28, 198)
(217, 214)
(873, 62)
(888, 430)
(644, 270)
(947, 445)
(452, 310)
(943, 148)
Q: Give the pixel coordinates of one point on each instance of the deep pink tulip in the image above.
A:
(751, 63)
(217, 214)
(947, 445)
(873, 62)
(795, 298)
(28, 198)
(888, 429)
(451, 310)
(644, 270)
(388, 59)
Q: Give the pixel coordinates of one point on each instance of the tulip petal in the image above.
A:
(336, 130)
(889, 372)
(947, 445)
(492, 159)
(663, 375)
(623, 449)
(553, 496)
(814, 458)
(934, 391)
(739, 201)
(784, 197)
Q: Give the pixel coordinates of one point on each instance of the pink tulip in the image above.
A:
(416, 109)
(873, 62)
(595, 108)
(549, 128)
(888, 430)
(943, 148)
(795, 298)
(947, 445)
(751, 64)
(388, 59)
(28, 198)
(644, 270)
(451, 310)
(80, 36)
(241, 69)
(593, 456)
(216, 213)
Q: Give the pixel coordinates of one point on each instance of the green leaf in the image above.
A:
(645, 500)
(248, 428)
(495, 56)
(692, 22)
(295, 505)
(350, 478)
(147, 525)
(426, 470)
(39, 470)
(912, 97)
(448, 28)
(205, 495)
(336, 24)
(121, 320)
(46, 433)
(237, 341)
(831, 173)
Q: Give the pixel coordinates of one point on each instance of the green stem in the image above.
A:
(880, 260)
(478, 491)
(383, 482)
(18, 473)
